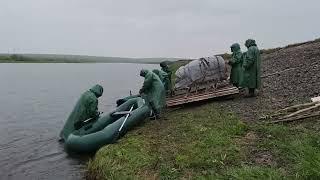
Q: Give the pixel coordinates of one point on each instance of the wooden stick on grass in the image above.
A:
(297, 106)
(296, 118)
(302, 110)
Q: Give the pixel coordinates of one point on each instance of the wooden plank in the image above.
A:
(301, 117)
(210, 91)
(205, 96)
(301, 111)
(170, 104)
(298, 106)
(201, 97)
(202, 94)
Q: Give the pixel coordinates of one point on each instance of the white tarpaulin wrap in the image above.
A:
(200, 70)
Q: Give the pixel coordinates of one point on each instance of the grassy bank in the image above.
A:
(207, 142)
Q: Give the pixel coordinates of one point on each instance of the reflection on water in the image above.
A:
(35, 100)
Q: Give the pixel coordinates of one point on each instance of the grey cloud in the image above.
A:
(152, 28)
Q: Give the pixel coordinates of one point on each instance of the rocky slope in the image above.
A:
(290, 75)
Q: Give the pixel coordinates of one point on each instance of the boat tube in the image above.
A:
(105, 130)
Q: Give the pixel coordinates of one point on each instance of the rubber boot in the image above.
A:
(156, 113)
(236, 85)
(251, 92)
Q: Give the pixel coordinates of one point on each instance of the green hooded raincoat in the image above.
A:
(166, 69)
(154, 90)
(163, 77)
(86, 107)
(236, 65)
(252, 66)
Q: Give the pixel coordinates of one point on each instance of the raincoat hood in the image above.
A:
(163, 64)
(144, 72)
(250, 42)
(156, 71)
(235, 47)
(97, 90)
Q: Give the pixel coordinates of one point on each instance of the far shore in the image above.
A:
(55, 58)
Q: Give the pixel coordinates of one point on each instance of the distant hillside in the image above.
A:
(55, 58)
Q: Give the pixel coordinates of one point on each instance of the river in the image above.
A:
(36, 99)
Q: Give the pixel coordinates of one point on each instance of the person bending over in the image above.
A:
(85, 109)
(153, 92)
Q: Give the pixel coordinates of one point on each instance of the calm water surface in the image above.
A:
(36, 99)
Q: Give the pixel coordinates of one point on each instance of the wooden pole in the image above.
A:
(300, 111)
(296, 118)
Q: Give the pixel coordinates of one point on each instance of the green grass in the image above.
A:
(208, 143)
(197, 142)
(296, 148)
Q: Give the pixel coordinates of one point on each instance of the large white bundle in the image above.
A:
(200, 70)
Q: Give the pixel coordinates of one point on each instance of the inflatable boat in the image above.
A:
(109, 127)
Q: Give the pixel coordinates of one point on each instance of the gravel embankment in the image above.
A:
(297, 82)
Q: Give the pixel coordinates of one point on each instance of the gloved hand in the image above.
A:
(97, 115)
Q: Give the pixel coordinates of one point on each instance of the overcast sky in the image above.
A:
(153, 28)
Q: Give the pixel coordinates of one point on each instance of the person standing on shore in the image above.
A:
(164, 67)
(236, 65)
(252, 67)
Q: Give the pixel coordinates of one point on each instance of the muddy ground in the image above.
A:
(297, 81)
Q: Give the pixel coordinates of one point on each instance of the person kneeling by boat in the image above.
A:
(86, 109)
(153, 92)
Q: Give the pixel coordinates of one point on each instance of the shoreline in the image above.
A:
(56, 58)
(53, 58)
(74, 62)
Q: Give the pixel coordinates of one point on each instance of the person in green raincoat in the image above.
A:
(153, 91)
(86, 108)
(236, 65)
(164, 67)
(252, 67)
(163, 77)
